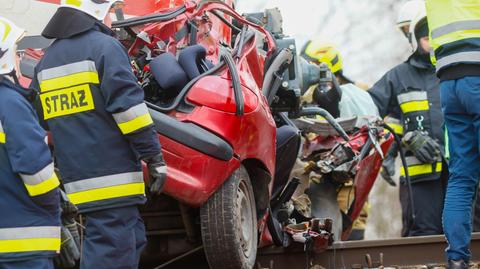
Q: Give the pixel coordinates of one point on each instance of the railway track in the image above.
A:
(425, 250)
(397, 253)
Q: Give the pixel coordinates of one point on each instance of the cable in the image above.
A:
(407, 176)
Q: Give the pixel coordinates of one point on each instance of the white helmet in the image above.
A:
(408, 11)
(95, 8)
(10, 34)
(419, 19)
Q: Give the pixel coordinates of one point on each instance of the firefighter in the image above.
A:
(412, 90)
(407, 13)
(93, 106)
(29, 194)
(455, 40)
(316, 51)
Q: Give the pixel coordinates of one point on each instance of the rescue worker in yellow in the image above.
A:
(316, 51)
(455, 39)
(29, 194)
(93, 106)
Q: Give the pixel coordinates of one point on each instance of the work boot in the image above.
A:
(457, 264)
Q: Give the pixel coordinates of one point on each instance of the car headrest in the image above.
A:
(192, 59)
(168, 73)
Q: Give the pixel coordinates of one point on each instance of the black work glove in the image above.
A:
(388, 165)
(158, 173)
(329, 99)
(69, 250)
(425, 148)
(70, 247)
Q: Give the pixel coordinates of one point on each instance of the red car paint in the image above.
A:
(193, 176)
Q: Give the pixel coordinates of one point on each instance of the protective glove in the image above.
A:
(388, 165)
(158, 173)
(425, 148)
(69, 250)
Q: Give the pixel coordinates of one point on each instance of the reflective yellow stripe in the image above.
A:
(69, 81)
(43, 187)
(422, 169)
(30, 244)
(107, 193)
(3, 138)
(8, 29)
(397, 128)
(136, 124)
(455, 36)
(414, 106)
(76, 3)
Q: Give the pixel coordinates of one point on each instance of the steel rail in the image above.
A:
(410, 251)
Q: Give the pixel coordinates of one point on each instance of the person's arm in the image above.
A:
(383, 95)
(27, 150)
(34, 85)
(124, 100)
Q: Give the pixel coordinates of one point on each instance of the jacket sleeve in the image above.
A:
(36, 103)
(124, 99)
(27, 149)
(383, 96)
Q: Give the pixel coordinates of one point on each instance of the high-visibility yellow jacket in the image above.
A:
(454, 32)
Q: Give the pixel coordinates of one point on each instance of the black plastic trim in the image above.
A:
(192, 136)
(149, 18)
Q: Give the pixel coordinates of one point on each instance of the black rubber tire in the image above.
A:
(222, 218)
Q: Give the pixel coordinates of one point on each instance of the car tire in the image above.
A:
(229, 224)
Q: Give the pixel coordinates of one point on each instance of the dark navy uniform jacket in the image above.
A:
(412, 91)
(29, 195)
(93, 106)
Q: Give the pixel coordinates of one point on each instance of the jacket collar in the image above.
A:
(418, 61)
(69, 22)
(28, 94)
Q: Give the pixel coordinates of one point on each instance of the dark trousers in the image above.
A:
(114, 239)
(428, 197)
(40, 263)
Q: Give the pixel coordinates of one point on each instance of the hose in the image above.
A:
(404, 163)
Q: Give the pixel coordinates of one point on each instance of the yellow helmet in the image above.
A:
(319, 52)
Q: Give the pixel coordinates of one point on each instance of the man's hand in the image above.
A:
(425, 148)
(158, 173)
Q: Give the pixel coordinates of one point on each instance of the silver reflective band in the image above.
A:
(161, 169)
(1, 128)
(468, 57)
(131, 113)
(104, 181)
(44, 174)
(65, 70)
(456, 26)
(393, 121)
(30, 232)
(412, 160)
(412, 96)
